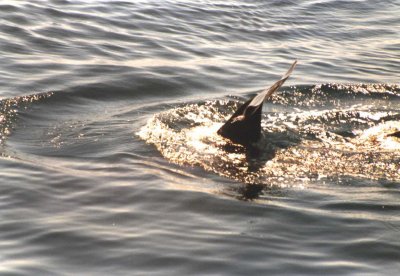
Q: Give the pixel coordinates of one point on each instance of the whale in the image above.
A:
(244, 126)
(394, 134)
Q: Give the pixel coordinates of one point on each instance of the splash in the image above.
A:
(298, 145)
(9, 109)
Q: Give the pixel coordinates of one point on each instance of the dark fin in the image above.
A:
(395, 134)
(244, 126)
(240, 129)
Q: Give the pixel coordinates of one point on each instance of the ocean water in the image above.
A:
(109, 161)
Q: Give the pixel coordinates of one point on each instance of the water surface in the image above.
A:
(109, 164)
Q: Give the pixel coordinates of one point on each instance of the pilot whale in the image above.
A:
(244, 126)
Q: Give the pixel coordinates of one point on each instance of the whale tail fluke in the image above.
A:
(244, 126)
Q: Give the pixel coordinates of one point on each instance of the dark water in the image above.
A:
(110, 165)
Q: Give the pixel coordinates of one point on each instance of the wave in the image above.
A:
(309, 132)
(9, 109)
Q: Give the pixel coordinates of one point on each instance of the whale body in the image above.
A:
(394, 134)
(244, 126)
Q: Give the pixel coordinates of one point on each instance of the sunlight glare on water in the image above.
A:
(109, 159)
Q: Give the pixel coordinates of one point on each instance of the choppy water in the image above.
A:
(109, 163)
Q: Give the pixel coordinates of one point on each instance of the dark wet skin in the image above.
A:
(244, 126)
(243, 130)
(395, 134)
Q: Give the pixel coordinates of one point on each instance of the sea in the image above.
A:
(109, 159)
